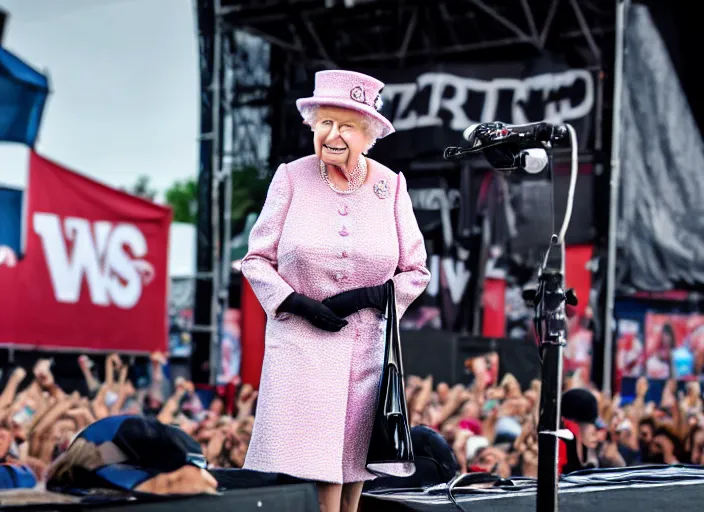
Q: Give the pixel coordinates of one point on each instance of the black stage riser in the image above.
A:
(442, 355)
(635, 498)
(285, 498)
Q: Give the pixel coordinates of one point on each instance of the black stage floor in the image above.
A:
(639, 489)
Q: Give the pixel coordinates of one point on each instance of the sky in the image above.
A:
(125, 88)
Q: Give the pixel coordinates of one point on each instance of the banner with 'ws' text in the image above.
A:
(94, 271)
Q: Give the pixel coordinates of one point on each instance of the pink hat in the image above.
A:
(348, 89)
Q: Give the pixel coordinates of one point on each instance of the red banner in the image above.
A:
(494, 302)
(94, 271)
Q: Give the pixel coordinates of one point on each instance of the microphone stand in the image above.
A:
(548, 300)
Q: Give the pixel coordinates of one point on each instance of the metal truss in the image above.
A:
(204, 327)
(235, 133)
(310, 35)
(337, 33)
(246, 105)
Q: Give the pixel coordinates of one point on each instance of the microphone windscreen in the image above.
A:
(534, 160)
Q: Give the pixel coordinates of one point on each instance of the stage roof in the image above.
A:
(334, 33)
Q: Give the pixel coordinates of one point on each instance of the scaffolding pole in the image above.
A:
(208, 280)
(621, 12)
(202, 329)
(216, 162)
(226, 183)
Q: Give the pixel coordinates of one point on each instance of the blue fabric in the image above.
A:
(125, 476)
(11, 218)
(23, 93)
(104, 430)
(15, 476)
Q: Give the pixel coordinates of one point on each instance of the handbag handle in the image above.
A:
(394, 404)
(392, 331)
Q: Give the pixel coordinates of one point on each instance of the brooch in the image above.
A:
(381, 189)
(357, 94)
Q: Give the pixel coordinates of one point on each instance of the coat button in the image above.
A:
(339, 276)
(342, 210)
(344, 232)
(344, 254)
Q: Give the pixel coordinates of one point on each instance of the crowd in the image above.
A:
(38, 422)
(489, 426)
(492, 427)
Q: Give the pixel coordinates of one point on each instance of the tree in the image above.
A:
(182, 196)
(249, 187)
(141, 188)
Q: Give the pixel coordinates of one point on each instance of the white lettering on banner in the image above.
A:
(450, 93)
(456, 277)
(434, 198)
(434, 285)
(7, 256)
(98, 252)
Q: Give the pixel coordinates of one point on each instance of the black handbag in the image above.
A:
(390, 449)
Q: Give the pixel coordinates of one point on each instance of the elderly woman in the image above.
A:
(335, 227)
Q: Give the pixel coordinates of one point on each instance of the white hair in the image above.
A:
(372, 128)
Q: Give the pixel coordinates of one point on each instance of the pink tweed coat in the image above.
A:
(318, 389)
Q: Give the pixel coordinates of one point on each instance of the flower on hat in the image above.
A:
(357, 94)
(378, 103)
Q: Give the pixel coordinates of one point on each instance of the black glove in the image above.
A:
(312, 310)
(345, 303)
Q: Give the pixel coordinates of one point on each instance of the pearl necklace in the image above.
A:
(357, 176)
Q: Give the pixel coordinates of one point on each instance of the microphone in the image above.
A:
(531, 134)
(510, 147)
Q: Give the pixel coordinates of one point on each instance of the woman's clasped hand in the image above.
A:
(330, 313)
(345, 303)
(314, 311)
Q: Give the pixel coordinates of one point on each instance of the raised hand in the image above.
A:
(42, 373)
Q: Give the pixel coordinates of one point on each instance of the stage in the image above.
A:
(645, 489)
(641, 489)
